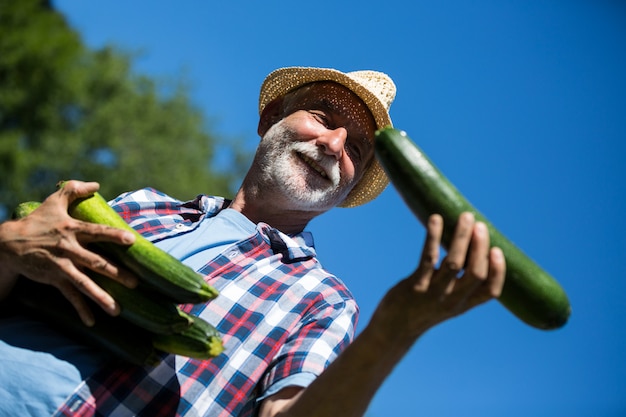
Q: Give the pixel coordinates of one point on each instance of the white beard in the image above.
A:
(281, 168)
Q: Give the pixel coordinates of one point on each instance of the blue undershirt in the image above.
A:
(39, 367)
(212, 236)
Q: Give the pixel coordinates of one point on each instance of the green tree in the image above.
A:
(70, 112)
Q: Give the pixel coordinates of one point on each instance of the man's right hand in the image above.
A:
(50, 247)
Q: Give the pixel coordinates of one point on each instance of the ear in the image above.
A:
(271, 114)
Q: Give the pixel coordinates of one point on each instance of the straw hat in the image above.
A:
(376, 90)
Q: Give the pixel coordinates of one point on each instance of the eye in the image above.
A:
(321, 117)
(359, 149)
(354, 152)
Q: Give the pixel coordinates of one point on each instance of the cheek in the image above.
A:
(349, 172)
(302, 123)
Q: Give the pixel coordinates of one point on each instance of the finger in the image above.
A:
(97, 263)
(430, 253)
(93, 232)
(454, 260)
(477, 265)
(76, 248)
(79, 303)
(88, 287)
(493, 285)
(73, 189)
(497, 272)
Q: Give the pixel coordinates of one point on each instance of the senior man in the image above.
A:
(288, 325)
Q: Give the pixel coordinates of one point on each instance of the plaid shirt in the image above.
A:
(279, 312)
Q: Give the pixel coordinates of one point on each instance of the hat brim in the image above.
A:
(284, 80)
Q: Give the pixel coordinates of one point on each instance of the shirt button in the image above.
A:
(180, 226)
(75, 405)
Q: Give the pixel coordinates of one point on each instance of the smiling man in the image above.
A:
(288, 324)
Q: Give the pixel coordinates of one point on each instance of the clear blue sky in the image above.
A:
(521, 103)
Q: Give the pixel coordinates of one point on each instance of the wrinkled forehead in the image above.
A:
(333, 97)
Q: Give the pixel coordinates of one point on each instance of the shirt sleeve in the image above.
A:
(301, 380)
(326, 330)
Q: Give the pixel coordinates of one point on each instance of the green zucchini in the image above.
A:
(200, 341)
(529, 292)
(121, 339)
(145, 308)
(157, 268)
(24, 209)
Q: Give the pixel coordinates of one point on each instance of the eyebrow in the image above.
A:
(326, 104)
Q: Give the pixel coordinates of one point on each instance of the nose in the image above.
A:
(333, 142)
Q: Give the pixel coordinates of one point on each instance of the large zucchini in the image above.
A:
(529, 292)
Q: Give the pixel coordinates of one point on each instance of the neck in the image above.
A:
(272, 210)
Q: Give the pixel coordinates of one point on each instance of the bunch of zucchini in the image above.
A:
(529, 292)
(150, 319)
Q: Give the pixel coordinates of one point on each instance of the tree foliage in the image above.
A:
(70, 112)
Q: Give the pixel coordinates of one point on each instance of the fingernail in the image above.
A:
(110, 305)
(128, 238)
(114, 309)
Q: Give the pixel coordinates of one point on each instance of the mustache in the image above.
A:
(318, 160)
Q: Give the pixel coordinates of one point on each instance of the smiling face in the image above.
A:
(319, 148)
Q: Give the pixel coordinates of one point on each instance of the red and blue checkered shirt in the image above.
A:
(279, 312)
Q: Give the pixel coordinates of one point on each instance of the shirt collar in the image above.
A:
(294, 248)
